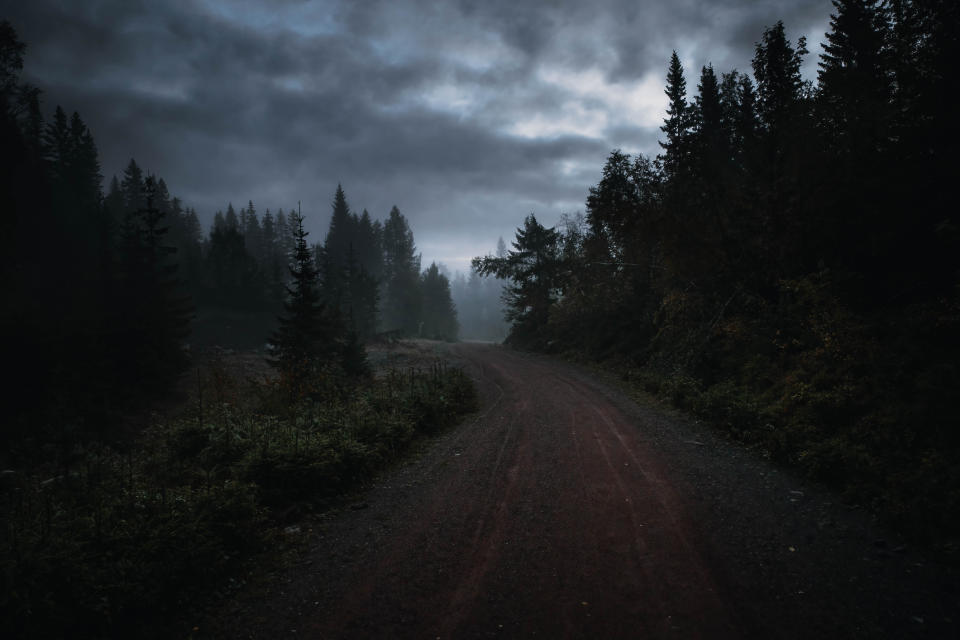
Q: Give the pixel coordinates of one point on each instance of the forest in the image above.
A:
(128, 279)
(788, 266)
(114, 302)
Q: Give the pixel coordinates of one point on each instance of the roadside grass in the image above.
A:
(121, 542)
(826, 425)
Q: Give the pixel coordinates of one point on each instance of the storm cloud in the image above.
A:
(467, 115)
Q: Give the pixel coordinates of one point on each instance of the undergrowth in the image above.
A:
(114, 542)
(863, 404)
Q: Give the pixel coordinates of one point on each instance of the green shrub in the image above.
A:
(120, 541)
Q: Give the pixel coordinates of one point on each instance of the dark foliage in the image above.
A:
(129, 543)
(438, 313)
(789, 267)
(532, 269)
(93, 308)
(110, 529)
(401, 277)
(310, 334)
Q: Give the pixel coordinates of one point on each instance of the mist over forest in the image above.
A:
(778, 255)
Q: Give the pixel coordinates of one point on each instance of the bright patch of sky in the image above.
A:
(302, 18)
(167, 91)
(467, 114)
(592, 104)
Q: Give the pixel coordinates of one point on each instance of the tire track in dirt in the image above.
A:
(563, 510)
(540, 517)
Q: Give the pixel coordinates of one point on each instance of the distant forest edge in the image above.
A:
(788, 266)
(112, 287)
(116, 524)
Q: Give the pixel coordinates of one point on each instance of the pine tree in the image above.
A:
(153, 314)
(132, 188)
(613, 208)
(219, 223)
(341, 234)
(738, 116)
(113, 201)
(784, 146)
(56, 145)
(439, 316)
(231, 221)
(401, 297)
(253, 234)
(232, 278)
(708, 121)
(308, 338)
(361, 303)
(776, 66)
(369, 246)
(706, 221)
(533, 270)
(677, 124)
(854, 88)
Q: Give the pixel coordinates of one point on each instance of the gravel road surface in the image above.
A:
(564, 509)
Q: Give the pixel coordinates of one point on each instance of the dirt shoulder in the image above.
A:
(565, 509)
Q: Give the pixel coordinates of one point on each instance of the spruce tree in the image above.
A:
(533, 270)
(231, 272)
(132, 188)
(677, 123)
(369, 248)
(708, 119)
(231, 220)
(153, 313)
(401, 284)
(341, 234)
(613, 208)
(776, 66)
(439, 316)
(854, 86)
(307, 339)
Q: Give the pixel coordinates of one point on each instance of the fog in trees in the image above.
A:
(768, 241)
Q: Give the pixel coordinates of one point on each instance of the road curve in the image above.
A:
(550, 517)
(561, 509)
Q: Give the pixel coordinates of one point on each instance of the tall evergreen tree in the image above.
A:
(776, 67)
(854, 85)
(439, 316)
(613, 209)
(252, 233)
(307, 339)
(342, 233)
(231, 221)
(232, 279)
(676, 126)
(401, 284)
(708, 122)
(132, 188)
(785, 159)
(369, 247)
(533, 270)
(154, 314)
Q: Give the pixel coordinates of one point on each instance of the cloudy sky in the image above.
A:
(466, 114)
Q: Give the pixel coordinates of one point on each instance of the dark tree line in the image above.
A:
(334, 297)
(368, 272)
(100, 288)
(791, 258)
(91, 297)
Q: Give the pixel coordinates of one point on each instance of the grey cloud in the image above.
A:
(239, 100)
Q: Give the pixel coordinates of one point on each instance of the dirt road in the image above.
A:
(563, 510)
